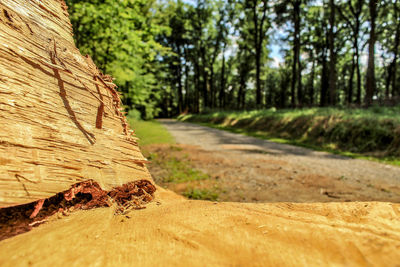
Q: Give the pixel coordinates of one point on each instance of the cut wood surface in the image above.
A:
(178, 232)
(61, 120)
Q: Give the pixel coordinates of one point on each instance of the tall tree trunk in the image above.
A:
(312, 90)
(258, 41)
(388, 80)
(284, 83)
(241, 94)
(222, 83)
(180, 87)
(197, 87)
(211, 86)
(357, 14)
(296, 73)
(358, 71)
(179, 78)
(324, 81)
(258, 81)
(294, 77)
(396, 53)
(349, 99)
(187, 94)
(358, 100)
(332, 55)
(395, 91)
(213, 92)
(355, 65)
(371, 84)
(205, 77)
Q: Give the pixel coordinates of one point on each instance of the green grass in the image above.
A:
(201, 194)
(150, 132)
(372, 134)
(177, 170)
(378, 113)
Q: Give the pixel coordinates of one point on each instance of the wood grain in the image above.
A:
(60, 117)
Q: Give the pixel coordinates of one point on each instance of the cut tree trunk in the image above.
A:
(61, 119)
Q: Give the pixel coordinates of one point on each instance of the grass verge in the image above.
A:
(177, 170)
(369, 134)
(169, 167)
(150, 132)
(203, 194)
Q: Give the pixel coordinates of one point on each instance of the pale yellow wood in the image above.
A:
(50, 100)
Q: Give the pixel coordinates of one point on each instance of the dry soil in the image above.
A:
(248, 169)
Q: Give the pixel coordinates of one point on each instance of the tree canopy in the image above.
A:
(172, 56)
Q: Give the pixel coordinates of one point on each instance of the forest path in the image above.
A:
(256, 170)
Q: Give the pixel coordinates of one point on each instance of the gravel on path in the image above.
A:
(361, 175)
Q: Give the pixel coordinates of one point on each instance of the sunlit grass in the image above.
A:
(150, 132)
(177, 170)
(201, 194)
(357, 133)
(375, 112)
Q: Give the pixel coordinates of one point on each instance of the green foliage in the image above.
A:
(175, 56)
(150, 132)
(134, 114)
(376, 112)
(201, 194)
(120, 37)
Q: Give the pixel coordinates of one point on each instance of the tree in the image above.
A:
(293, 15)
(371, 83)
(260, 27)
(391, 43)
(332, 53)
(352, 15)
(120, 37)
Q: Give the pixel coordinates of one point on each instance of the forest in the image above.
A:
(173, 56)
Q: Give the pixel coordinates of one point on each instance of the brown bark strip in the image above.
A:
(85, 195)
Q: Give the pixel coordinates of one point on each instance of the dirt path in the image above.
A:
(256, 170)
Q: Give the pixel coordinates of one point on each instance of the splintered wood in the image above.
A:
(85, 195)
(61, 120)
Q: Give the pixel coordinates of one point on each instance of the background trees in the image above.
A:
(179, 55)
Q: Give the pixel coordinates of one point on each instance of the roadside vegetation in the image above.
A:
(150, 132)
(368, 133)
(170, 168)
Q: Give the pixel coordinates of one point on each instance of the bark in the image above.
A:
(312, 90)
(284, 83)
(258, 43)
(187, 95)
(393, 66)
(350, 86)
(354, 23)
(204, 72)
(197, 87)
(371, 83)
(332, 55)
(324, 81)
(296, 67)
(357, 51)
(222, 83)
(180, 86)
